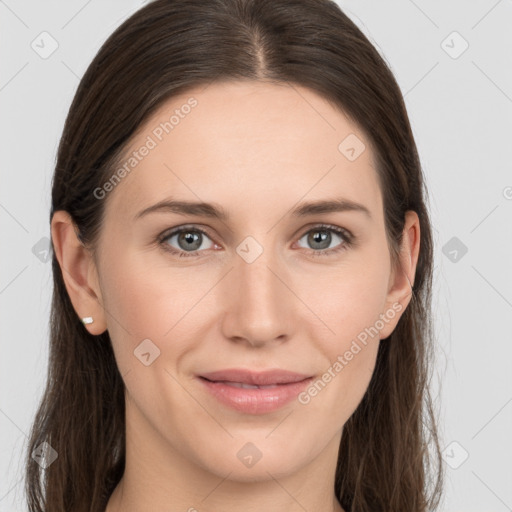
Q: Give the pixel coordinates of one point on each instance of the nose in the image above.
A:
(258, 305)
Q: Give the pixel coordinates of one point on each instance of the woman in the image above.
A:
(242, 273)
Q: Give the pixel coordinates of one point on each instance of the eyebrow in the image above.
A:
(215, 211)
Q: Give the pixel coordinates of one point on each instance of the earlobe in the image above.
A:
(402, 279)
(78, 271)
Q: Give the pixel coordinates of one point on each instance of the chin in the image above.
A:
(263, 466)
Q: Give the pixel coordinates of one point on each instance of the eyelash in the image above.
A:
(347, 236)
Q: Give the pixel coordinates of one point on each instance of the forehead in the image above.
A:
(248, 146)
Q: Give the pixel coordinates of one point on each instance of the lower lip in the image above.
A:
(255, 401)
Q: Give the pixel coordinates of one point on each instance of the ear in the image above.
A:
(401, 279)
(78, 271)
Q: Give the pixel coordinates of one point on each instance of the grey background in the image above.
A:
(460, 106)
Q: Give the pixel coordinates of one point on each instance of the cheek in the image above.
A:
(350, 305)
(350, 298)
(141, 303)
(350, 355)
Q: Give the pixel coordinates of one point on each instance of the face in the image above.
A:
(271, 285)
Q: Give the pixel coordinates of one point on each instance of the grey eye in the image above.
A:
(320, 238)
(188, 239)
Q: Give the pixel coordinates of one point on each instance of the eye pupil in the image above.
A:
(320, 236)
(190, 237)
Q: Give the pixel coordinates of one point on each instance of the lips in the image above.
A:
(246, 386)
(251, 378)
(254, 392)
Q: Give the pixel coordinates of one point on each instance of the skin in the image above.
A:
(256, 149)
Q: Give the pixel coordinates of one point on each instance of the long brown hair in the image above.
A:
(389, 458)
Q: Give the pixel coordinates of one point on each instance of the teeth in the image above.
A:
(248, 386)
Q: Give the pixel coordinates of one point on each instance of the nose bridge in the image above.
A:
(259, 287)
(257, 281)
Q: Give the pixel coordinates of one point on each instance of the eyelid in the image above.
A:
(347, 235)
(176, 230)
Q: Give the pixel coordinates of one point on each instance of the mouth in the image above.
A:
(259, 379)
(242, 385)
(254, 393)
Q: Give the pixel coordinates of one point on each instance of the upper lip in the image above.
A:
(263, 378)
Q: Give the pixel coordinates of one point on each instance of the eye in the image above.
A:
(190, 240)
(320, 237)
